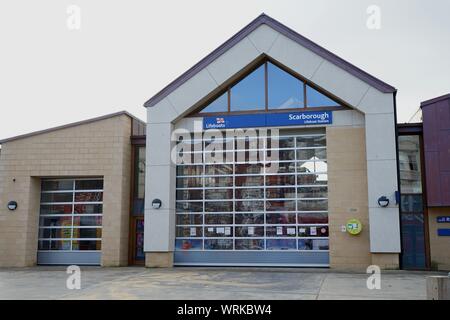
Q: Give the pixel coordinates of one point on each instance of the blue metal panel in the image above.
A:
(268, 120)
(252, 258)
(444, 232)
(68, 258)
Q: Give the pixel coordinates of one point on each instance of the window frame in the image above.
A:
(305, 83)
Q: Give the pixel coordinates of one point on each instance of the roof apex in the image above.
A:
(70, 125)
(435, 100)
(286, 31)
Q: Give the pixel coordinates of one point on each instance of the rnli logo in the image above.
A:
(220, 120)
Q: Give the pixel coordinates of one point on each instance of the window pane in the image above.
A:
(189, 232)
(248, 94)
(254, 193)
(249, 181)
(313, 231)
(219, 206)
(57, 197)
(313, 192)
(316, 99)
(89, 184)
(87, 233)
(249, 218)
(249, 244)
(55, 221)
(412, 203)
(189, 170)
(285, 91)
(219, 244)
(218, 181)
(249, 206)
(410, 166)
(49, 185)
(312, 218)
(313, 244)
(189, 194)
(281, 231)
(217, 232)
(218, 219)
(56, 209)
(249, 232)
(88, 196)
(54, 245)
(312, 205)
(311, 141)
(86, 245)
(312, 166)
(88, 208)
(280, 167)
(55, 233)
(312, 179)
(248, 168)
(218, 105)
(280, 218)
(279, 193)
(218, 194)
(87, 221)
(312, 154)
(189, 206)
(219, 169)
(189, 219)
(280, 155)
(188, 244)
(280, 205)
(280, 180)
(281, 244)
(189, 182)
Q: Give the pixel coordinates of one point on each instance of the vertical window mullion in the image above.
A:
(305, 99)
(73, 212)
(266, 86)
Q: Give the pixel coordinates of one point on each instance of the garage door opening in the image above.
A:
(240, 213)
(70, 221)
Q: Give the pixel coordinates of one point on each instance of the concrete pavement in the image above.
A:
(207, 283)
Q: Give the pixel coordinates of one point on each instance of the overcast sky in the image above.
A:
(126, 51)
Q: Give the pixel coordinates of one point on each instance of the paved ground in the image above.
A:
(207, 283)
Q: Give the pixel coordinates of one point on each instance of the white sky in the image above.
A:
(126, 51)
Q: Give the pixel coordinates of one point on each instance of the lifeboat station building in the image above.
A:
(271, 151)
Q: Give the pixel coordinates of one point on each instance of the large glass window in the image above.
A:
(284, 90)
(70, 216)
(237, 206)
(317, 99)
(409, 158)
(248, 94)
(268, 87)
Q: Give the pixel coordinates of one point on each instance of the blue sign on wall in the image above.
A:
(444, 232)
(443, 219)
(268, 120)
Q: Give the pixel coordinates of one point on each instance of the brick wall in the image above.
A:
(100, 148)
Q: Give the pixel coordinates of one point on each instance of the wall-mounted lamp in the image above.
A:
(156, 204)
(12, 205)
(383, 201)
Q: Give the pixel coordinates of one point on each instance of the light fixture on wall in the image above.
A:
(156, 203)
(383, 201)
(12, 205)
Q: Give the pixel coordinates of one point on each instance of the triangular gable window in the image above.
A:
(317, 99)
(268, 87)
